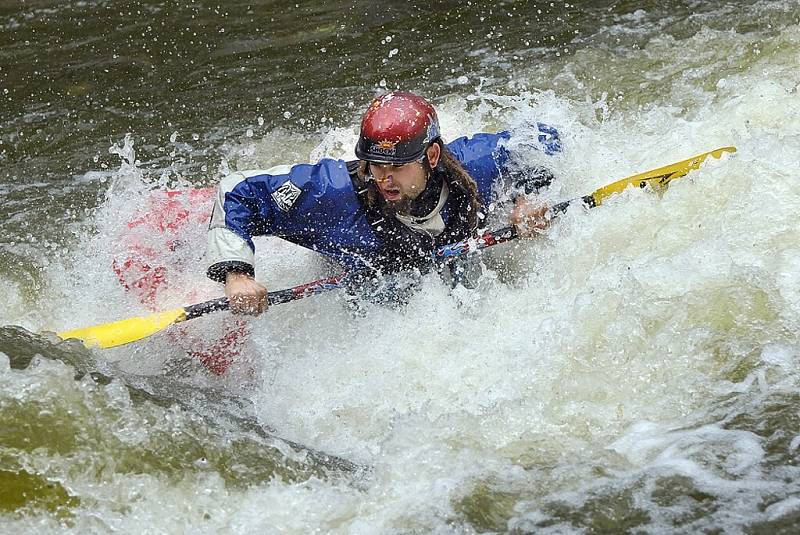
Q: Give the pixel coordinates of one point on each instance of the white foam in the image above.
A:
(607, 345)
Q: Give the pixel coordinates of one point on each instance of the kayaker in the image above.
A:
(407, 194)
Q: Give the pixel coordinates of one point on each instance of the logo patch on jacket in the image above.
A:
(286, 195)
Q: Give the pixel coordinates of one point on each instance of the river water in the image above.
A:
(634, 369)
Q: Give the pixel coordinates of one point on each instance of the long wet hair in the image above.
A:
(458, 180)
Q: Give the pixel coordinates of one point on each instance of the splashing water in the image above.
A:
(633, 369)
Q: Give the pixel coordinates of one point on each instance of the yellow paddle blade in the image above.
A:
(658, 178)
(125, 331)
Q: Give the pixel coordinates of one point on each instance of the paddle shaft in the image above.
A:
(129, 330)
(657, 179)
(333, 283)
(273, 298)
(501, 235)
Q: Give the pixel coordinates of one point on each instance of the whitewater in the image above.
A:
(634, 368)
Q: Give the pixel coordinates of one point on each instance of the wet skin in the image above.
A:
(402, 184)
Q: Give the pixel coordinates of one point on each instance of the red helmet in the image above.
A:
(397, 128)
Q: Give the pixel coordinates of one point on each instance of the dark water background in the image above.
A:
(77, 75)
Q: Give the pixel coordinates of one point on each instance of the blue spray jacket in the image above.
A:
(317, 206)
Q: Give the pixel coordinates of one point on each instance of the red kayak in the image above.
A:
(160, 257)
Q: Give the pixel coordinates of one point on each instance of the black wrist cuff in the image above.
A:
(218, 271)
(532, 180)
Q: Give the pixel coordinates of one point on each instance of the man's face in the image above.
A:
(399, 184)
